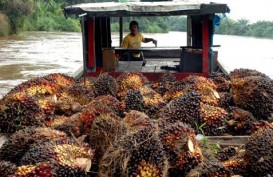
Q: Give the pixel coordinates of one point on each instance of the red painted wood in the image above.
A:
(91, 44)
(205, 44)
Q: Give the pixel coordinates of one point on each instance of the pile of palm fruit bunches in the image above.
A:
(128, 126)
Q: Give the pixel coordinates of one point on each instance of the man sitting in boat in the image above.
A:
(133, 40)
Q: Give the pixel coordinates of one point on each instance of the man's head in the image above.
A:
(133, 27)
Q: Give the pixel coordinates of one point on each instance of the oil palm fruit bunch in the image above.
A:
(71, 124)
(134, 101)
(68, 157)
(185, 108)
(19, 142)
(137, 154)
(181, 146)
(107, 104)
(153, 101)
(128, 81)
(221, 80)
(60, 79)
(225, 99)
(136, 120)
(105, 84)
(213, 120)
(164, 83)
(7, 169)
(254, 94)
(225, 153)
(259, 152)
(210, 168)
(41, 169)
(105, 130)
(242, 72)
(240, 122)
(177, 89)
(18, 111)
(257, 125)
(75, 94)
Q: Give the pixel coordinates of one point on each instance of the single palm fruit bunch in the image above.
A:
(105, 84)
(164, 83)
(242, 72)
(221, 80)
(128, 81)
(181, 146)
(20, 141)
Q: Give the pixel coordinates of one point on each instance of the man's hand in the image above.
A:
(155, 42)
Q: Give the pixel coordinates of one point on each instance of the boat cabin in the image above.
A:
(100, 54)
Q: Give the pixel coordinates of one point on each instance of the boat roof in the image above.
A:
(159, 8)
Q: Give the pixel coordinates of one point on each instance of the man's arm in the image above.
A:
(149, 40)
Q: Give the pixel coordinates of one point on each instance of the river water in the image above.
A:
(33, 54)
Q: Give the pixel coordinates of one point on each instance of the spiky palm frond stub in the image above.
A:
(7, 169)
(19, 142)
(164, 83)
(18, 111)
(181, 146)
(128, 81)
(259, 152)
(254, 94)
(135, 154)
(105, 130)
(105, 85)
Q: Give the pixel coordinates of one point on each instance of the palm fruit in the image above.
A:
(181, 147)
(19, 142)
(134, 101)
(152, 101)
(138, 154)
(225, 99)
(164, 83)
(177, 89)
(18, 111)
(43, 169)
(225, 153)
(105, 130)
(239, 122)
(213, 120)
(108, 103)
(135, 120)
(237, 167)
(105, 85)
(210, 168)
(254, 94)
(221, 80)
(259, 152)
(7, 169)
(257, 125)
(185, 108)
(68, 157)
(128, 81)
(75, 94)
(242, 72)
(60, 79)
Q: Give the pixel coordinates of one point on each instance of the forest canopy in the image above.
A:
(47, 15)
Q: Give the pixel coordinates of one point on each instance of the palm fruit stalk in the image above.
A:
(138, 154)
(105, 85)
(18, 111)
(181, 146)
(20, 142)
(128, 81)
(259, 153)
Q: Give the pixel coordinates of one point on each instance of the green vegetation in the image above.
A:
(47, 15)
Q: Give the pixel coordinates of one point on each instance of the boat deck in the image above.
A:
(152, 65)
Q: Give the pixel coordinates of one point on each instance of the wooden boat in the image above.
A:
(99, 54)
